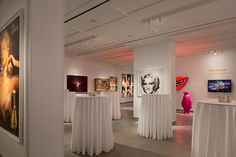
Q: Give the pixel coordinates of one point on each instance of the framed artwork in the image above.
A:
(127, 85)
(180, 82)
(113, 83)
(102, 84)
(149, 82)
(12, 77)
(77, 83)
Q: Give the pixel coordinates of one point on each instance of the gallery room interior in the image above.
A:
(117, 78)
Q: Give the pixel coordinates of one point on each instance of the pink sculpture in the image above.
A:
(186, 102)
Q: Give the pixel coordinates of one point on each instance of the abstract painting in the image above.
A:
(77, 83)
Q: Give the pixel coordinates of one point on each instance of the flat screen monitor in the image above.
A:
(219, 86)
(77, 83)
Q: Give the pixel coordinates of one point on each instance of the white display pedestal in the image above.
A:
(92, 125)
(69, 106)
(114, 101)
(214, 129)
(155, 117)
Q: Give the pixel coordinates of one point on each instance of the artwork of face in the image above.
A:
(127, 85)
(180, 82)
(150, 84)
(9, 77)
(113, 83)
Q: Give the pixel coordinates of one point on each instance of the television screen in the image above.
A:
(77, 83)
(219, 85)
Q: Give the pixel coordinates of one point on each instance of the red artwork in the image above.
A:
(186, 102)
(180, 82)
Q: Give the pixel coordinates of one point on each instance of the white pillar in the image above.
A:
(45, 120)
(172, 58)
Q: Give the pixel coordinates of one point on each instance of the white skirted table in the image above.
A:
(155, 120)
(214, 129)
(69, 105)
(92, 126)
(114, 100)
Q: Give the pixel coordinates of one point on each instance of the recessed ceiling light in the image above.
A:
(93, 21)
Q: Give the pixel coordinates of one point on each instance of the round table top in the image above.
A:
(90, 97)
(216, 102)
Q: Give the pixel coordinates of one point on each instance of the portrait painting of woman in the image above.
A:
(150, 82)
(9, 76)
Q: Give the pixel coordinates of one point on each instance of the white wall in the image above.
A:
(43, 121)
(9, 147)
(77, 66)
(153, 56)
(203, 67)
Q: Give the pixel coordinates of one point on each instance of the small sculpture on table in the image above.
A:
(186, 102)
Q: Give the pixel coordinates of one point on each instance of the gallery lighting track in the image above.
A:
(169, 33)
(72, 18)
(159, 17)
(85, 40)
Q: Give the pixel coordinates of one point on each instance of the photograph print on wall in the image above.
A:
(149, 82)
(77, 83)
(11, 77)
(113, 83)
(127, 85)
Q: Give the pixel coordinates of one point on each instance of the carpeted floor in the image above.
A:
(129, 143)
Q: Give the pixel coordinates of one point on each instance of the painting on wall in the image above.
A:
(180, 82)
(113, 83)
(149, 82)
(102, 84)
(12, 77)
(77, 83)
(127, 85)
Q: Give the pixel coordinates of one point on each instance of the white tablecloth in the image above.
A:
(214, 129)
(69, 105)
(92, 126)
(114, 100)
(155, 117)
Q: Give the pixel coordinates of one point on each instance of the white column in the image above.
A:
(45, 123)
(172, 57)
(159, 55)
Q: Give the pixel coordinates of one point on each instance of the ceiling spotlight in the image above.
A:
(151, 19)
(86, 40)
(159, 19)
(93, 21)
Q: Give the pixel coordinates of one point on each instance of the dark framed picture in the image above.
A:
(102, 84)
(12, 77)
(77, 83)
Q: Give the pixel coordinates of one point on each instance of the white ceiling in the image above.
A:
(108, 32)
